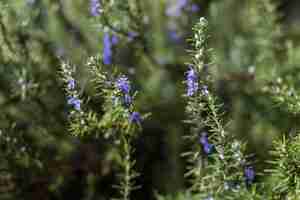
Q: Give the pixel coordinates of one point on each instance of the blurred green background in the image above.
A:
(41, 160)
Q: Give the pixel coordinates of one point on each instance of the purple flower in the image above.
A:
(174, 36)
(182, 3)
(114, 39)
(249, 174)
(123, 84)
(135, 117)
(203, 139)
(207, 147)
(75, 102)
(173, 11)
(108, 43)
(132, 35)
(71, 84)
(107, 49)
(192, 82)
(95, 7)
(194, 8)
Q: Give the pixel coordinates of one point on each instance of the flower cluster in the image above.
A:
(75, 103)
(249, 175)
(108, 43)
(193, 85)
(71, 84)
(67, 72)
(204, 113)
(135, 117)
(123, 85)
(73, 100)
(192, 82)
(207, 147)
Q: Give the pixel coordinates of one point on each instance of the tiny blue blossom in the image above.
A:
(192, 82)
(75, 102)
(132, 35)
(123, 84)
(107, 49)
(182, 3)
(114, 39)
(194, 8)
(173, 11)
(135, 117)
(95, 7)
(207, 147)
(173, 35)
(71, 84)
(249, 174)
(203, 139)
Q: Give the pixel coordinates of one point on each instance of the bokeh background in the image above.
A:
(41, 160)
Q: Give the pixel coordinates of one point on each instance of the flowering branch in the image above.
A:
(218, 166)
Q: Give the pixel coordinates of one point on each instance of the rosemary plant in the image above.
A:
(119, 122)
(218, 166)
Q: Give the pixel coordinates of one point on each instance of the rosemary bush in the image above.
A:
(163, 99)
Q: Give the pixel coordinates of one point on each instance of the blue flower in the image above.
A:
(108, 43)
(174, 36)
(75, 102)
(203, 139)
(123, 84)
(132, 35)
(249, 174)
(182, 3)
(114, 39)
(95, 7)
(207, 147)
(135, 117)
(71, 84)
(107, 49)
(173, 11)
(192, 82)
(194, 8)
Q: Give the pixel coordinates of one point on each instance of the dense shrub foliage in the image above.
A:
(138, 99)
